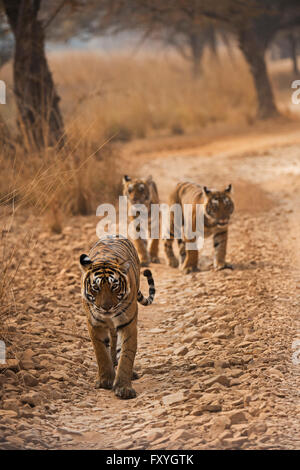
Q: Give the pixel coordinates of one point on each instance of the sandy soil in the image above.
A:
(215, 349)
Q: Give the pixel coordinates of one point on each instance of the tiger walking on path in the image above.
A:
(110, 295)
(143, 191)
(218, 207)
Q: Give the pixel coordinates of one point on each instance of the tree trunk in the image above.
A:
(6, 142)
(254, 53)
(293, 46)
(197, 46)
(39, 118)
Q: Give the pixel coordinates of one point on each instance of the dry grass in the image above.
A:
(140, 96)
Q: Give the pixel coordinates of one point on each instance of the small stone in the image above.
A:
(221, 379)
(238, 330)
(258, 428)
(182, 351)
(220, 364)
(235, 442)
(215, 406)
(28, 378)
(8, 414)
(181, 434)
(156, 330)
(57, 376)
(69, 431)
(206, 362)
(11, 404)
(225, 435)
(219, 424)
(11, 364)
(235, 373)
(237, 417)
(154, 435)
(191, 337)
(244, 344)
(174, 398)
(16, 441)
(32, 398)
(26, 361)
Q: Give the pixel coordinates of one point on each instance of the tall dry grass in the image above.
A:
(140, 96)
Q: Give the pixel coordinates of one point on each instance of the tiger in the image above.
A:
(143, 191)
(218, 207)
(110, 295)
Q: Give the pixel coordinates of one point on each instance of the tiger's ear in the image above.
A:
(149, 179)
(85, 262)
(206, 190)
(125, 267)
(228, 189)
(126, 178)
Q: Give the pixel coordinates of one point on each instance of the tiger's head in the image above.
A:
(137, 190)
(218, 205)
(105, 285)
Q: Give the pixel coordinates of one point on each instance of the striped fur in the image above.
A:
(110, 292)
(143, 191)
(140, 298)
(218, 207)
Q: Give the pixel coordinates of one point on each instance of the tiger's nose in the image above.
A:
(107, 306)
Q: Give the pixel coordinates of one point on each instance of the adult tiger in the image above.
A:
(110, 292)
(143, 191)
(218, 207)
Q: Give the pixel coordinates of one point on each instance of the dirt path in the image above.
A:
(215, 350)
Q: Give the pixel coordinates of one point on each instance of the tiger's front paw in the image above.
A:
(224, 266)
(155, 259)
(124, 392)
(144, 263)
(105, 383)
(173, 262)
(190, 269)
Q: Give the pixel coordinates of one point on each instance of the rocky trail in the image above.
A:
(215, 350)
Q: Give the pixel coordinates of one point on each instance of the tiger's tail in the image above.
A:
(140, 298)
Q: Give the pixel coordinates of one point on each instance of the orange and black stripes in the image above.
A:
(110, 291)
(217, 207)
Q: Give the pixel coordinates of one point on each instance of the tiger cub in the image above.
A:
(110, 295)
(143, 191)
(218, 207)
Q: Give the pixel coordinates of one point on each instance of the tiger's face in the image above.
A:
(136, 190)
(105, 287)
(218, 205)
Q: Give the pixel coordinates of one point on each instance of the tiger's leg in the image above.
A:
(220, 244)
(141, 248)
(182, 252)
(113, 346)
(190, 262)
(168, 245)
(154, 228)
(100, 340)
(154, 245)
(128, 342)
(118, 344)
